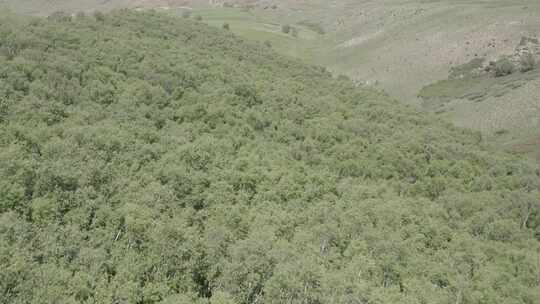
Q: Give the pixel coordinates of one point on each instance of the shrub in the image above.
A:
(186, 14)
(80, 14)
(198, 18)
(467, 69)
(99, 16)
(268, 44)
(503, 67)
(226, 26)
(3, 109)
(294, 32)
(286, 28)
(314, 26)
(342, 77)
(60, 16)
(527, 62)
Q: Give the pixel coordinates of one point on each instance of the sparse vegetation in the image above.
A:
(226, 26)
(504, 109)
(198, 18)
(527, 62)
(314, 26)
(467, 70)
(294, 32)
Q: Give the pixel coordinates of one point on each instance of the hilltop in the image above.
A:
(152, 159)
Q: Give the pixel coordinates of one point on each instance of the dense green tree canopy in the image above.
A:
(149, 159)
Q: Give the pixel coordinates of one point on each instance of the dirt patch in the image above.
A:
(356, 41)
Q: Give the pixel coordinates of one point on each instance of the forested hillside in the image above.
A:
(148, 159)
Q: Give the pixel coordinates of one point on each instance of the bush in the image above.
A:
(226, 26)
(186, 14)
(198, 18)
(99, 16)
(466, 70)
(342, 77)
(503, 67)
(60, 16)
(314, 26)
(286, 28)
(527, 62)
(3, 109)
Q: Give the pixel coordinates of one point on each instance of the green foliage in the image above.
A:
(503, 67)
(99, 16)
(148, 159)
(226, 26)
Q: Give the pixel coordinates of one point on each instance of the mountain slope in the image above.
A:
(147, 159)
(402, 45)
(399, 46)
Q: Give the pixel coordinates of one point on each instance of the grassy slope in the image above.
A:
(260, 26)
(505, 109)
(409, 44)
